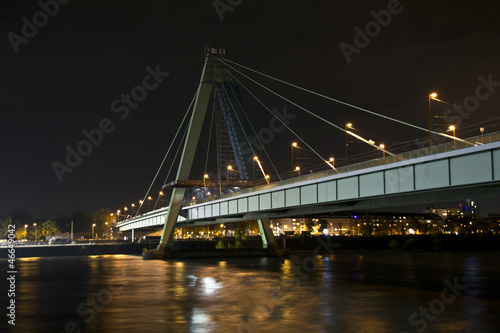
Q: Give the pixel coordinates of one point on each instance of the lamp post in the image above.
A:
(255, 158)
(348, 125)
(482, 132)
(149, 201)
(297, 169)
(93, 226)
(25, 231)
(431, 96)
(229, 168)
(294, 144)
(205, 176)
(118, 215)
(383, 147)
(34, 224)
(331, 162)
(132, 206)
(159, 198)
(452, 128)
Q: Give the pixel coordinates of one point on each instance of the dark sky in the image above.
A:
(64, 78)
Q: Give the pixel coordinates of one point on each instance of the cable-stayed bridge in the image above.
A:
(462, 168)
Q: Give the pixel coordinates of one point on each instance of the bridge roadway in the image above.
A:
(445, 172)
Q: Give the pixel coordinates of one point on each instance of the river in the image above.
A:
(340, 292)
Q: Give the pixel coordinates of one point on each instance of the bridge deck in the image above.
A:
(408, 178)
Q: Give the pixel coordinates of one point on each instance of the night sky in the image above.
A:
(64, 78)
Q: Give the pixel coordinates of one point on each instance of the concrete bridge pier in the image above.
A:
(268, 240)
(266, 233)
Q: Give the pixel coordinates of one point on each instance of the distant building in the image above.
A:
(360, 224)
(467, 208)
(444, 213)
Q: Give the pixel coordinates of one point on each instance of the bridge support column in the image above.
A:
(266, 233)
(185, 163)
(133, 235)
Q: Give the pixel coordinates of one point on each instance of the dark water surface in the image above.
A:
(343, 292)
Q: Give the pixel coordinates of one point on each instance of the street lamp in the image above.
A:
(34, 224)
(297, 168)
(255, 158)
(229, 168)
(93, 226)
(25, 232)
(482, 132)
(132, 206)
(348, 125)
(452, 128)
(118, 215)
(294, 145)
(205, 176)
(159, 198)
(382, 146)
(431, 96)
(331, 162)
(149, 200)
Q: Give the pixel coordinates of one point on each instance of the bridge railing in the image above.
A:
(436, 149)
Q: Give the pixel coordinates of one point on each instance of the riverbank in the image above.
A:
(81, 249)
(253, 246)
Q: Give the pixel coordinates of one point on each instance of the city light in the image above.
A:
(348, 125)
(297, 169)
(431, 96)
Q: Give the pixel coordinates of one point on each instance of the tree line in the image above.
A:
(82, 224)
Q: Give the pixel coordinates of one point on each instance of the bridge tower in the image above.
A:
(232, 126)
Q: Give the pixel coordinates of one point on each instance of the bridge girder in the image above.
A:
(397, 200)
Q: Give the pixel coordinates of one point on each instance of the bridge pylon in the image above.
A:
(213, 74)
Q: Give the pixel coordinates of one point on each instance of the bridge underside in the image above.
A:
(387, 201)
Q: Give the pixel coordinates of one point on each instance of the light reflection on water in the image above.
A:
(344, 292)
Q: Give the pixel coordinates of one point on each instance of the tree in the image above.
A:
(49, 228)
(4, 226)
(100, 218)
(322, 225)
(310, 225)
(366, 229)
(20, 234)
